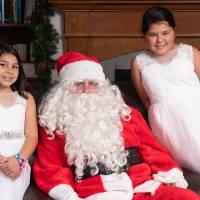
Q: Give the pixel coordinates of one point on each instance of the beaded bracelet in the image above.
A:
(20, 160)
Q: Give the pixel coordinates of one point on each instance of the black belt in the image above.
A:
(133, 158)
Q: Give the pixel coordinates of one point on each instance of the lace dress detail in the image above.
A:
(146, 58)
(186, 53)
(174, 92)
(12, 136)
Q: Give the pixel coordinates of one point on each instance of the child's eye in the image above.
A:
(15, 66)
(151, 34)
(2, 64)
(165, 33)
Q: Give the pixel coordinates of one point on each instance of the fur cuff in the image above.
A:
(174, 177)
(63, 192)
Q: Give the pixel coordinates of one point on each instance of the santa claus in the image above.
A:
(93, 146)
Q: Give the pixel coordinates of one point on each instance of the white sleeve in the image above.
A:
(174, 177)
(63, 192)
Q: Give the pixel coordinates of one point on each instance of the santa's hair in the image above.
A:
(48, 114)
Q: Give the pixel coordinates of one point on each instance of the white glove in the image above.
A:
(72, 196)
(63, 192)
(118, 185)
(110, 195)
(174, 177)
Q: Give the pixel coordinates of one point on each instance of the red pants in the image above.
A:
(168, 193)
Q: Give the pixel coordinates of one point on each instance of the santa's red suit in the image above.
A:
(157, 177)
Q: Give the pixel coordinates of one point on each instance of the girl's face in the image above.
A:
(9, 70)
(160, 38)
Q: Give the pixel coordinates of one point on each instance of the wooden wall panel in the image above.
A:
(109, 28)
(106, 47)
(79, 44)
(120, 22)
(76, 22)
(104, 23)
(188, 22)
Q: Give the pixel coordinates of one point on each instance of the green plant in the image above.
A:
(44, 45)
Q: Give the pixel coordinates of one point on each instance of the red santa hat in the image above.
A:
(74, 66)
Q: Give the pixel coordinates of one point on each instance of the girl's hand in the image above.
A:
(2, 160)
(11, 168)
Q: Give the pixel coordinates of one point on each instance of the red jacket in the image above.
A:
(51, 169)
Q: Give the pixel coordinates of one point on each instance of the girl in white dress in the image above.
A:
(18, 127)
(166, 77)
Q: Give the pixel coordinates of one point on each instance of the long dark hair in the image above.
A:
(19, 84)
(157, 14)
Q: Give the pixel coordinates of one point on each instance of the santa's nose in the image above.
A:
(89, 89)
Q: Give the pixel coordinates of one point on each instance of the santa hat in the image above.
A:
(74, 66)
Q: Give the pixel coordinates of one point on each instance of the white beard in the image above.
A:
(92, 126)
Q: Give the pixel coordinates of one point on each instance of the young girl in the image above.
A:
(18, 127)
(166, 77)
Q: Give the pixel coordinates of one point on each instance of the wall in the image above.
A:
(110, 28)
(106, 29)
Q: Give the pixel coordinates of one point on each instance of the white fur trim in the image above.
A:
(63, 192)
(148, 186)
(111, 195)
(118, 183)
(81, 70)
(173, 176)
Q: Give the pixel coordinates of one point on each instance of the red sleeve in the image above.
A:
(49, 167)
(153, 153)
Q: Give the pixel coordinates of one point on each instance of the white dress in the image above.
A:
(174, 92)
(12, 118)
